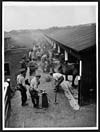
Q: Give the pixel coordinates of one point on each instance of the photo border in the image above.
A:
(54, 128)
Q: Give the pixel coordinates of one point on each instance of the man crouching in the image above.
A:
(58, 79)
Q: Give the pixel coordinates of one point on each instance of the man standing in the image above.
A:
(34, 90)
(33, 67)
(30, 54)
(24, 62)
(21, 86)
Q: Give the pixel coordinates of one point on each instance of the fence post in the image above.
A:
(9, 93)
(7, 100)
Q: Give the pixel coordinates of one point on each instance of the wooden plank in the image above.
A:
(6, 84)
(6, 111)
(74, 104)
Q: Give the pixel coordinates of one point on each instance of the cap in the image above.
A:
(38, 75)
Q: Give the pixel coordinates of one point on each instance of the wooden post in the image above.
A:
(79, 85)
(54, 45)
(9, 93)
(66, 55)
(58, 49)
(7, 97)
(66, 59)
(79, 98)
(80, 68)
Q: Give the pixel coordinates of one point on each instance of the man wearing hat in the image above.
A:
(34, 90)
(32, 66)
(31, 54)
(58, 79)
(24, 62)
(21, 86)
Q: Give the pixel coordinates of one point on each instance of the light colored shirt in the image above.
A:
(27, 73)
(21, 80)
(28, 76)
(44, 57)
(56, 76)
(34, 84)
(30, 54)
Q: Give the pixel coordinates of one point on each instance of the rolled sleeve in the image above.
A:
(23, 82)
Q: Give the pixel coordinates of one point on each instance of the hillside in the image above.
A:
(24, 38)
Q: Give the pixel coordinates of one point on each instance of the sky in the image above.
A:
(16, 17)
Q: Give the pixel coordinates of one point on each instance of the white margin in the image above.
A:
(97, 93)
(3, 122)
(49, 4)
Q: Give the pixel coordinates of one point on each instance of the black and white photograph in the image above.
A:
(50, 65)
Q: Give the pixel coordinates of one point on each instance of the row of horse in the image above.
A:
(65, 68)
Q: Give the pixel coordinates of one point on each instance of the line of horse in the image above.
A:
(65, 68)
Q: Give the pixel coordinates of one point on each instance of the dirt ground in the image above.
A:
(57, 115)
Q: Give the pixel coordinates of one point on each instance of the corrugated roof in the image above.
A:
(78, 37)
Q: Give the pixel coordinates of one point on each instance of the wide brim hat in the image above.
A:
(22, 70)
(32, 64)
(21, 61)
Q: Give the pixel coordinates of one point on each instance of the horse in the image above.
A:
(44, 62)
(43, 58)
(69, 69)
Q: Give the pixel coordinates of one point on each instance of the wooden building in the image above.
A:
(78, 43)
(6, 41)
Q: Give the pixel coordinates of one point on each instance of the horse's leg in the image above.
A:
(74, 76)
(66, 76)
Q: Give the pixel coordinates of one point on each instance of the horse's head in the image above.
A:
(69, 68)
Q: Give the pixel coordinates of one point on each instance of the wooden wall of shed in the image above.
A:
(72, 59)
(88, 80)
(5, 43)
